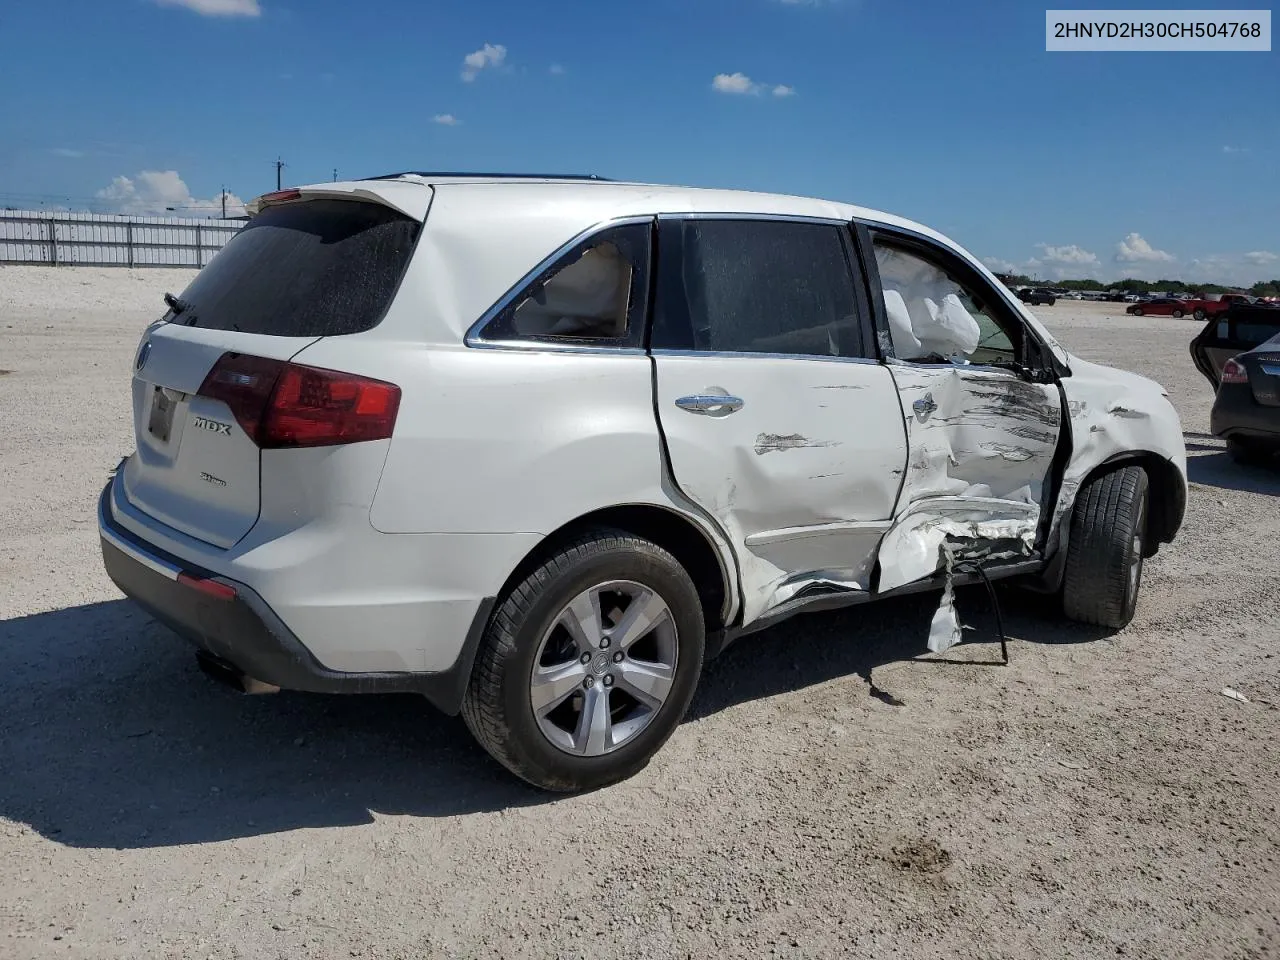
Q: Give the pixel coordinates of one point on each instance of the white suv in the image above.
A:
(537, 447)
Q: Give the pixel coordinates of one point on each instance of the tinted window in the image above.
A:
(757, 287)
(317, 268)
(594, 294)
(934, 317)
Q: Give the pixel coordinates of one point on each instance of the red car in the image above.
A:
(1164, 307)
(1201, 308)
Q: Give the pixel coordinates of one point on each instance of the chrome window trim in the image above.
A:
(472, 338)
(768, 217)
(746, 355)
(543, 346)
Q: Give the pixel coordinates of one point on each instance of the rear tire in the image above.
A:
(1104, 555)
(543, 670)
(1137, 311)
(1178, 314)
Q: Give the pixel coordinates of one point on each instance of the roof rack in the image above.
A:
(452, 175)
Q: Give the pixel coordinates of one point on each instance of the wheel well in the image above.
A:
(674, 533)
(1167, 494)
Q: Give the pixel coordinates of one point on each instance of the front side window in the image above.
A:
(935, 318)
(593, 295)
(747, 286)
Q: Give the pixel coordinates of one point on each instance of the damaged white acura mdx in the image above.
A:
(538, 447)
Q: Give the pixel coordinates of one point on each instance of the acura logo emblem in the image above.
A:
(143, 353)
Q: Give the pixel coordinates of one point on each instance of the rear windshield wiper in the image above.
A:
(176, 304)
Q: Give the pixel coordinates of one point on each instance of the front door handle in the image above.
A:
(710, 404)
(924, 406)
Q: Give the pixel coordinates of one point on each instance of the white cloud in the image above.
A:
(67, 152)
(556, 70)
(996, 265)
(741, 84)
(734, 83)
(1134, 249)
(1067, 255)
(446, 120)
(152, 192)
(490, 55)
(1261, 258)
(217, 8)
(1230, 149)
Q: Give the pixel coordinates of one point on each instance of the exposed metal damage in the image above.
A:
(776, 443)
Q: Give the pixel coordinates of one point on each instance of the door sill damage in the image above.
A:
(945, 630)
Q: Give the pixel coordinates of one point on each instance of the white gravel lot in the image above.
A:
(1097, 797)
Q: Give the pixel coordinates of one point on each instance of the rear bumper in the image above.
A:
(1237, 414)
(243, 633)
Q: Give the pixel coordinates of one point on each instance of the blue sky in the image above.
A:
(1107, 164)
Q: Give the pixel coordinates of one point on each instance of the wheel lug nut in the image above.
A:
(604, 643)
(617, 657)
(608, 680)
(588, 682)
(585, 659)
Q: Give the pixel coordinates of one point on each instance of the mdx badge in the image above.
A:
(214, 426)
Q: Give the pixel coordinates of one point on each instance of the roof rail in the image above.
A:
(489, 176)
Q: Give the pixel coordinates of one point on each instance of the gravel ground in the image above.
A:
(830, 794)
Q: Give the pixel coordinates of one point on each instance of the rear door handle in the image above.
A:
(710, 404)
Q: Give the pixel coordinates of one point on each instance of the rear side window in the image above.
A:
(595, 295)
(756, 286)
(316, 268)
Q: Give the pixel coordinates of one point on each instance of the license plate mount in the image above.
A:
(160, 422)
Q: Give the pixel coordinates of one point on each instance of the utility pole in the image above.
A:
(279, 167)
(335, 174)
(224, 202)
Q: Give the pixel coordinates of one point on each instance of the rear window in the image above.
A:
(317, 268)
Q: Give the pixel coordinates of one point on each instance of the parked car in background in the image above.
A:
(1238, 330)
(1163, 307)
(1246, 411)
(537, 448)
(1205, 307)
(1037, 296)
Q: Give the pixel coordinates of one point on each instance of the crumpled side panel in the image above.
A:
(1112, 412)
(977, 528)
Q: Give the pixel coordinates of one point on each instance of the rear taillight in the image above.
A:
(245, 385)
(281, 404)
(1233, 371)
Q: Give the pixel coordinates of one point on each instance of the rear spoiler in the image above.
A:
(411, 198)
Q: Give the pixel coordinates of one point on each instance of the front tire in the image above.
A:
(1178, 314)
(1137, 311)
(1199, 314)
(588, 664)
(1105, 552)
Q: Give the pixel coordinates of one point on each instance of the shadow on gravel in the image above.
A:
(815, 648)
(1219, 470)
(110, 737)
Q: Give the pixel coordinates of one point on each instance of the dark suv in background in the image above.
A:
(1037, 296)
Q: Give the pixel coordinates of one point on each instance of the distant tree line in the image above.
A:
(1263, 288)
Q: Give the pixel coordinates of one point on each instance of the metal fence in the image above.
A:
(90, 239)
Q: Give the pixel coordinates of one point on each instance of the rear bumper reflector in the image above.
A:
(210, 588)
